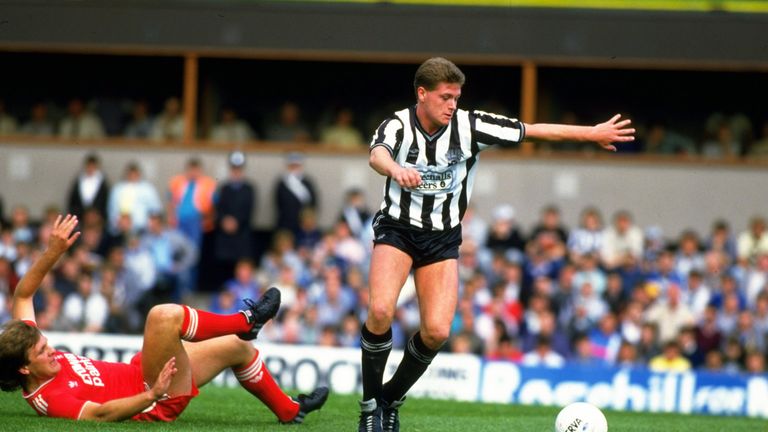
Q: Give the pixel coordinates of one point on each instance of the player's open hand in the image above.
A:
(63, 234)
(407, 177)
(163, 381)
(612, 131)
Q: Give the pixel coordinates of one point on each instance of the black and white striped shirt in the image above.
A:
(447, 162)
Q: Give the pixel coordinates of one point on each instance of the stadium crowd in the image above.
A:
(722, 135)
(604, 291)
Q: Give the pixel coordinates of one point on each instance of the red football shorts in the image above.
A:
(166, 410)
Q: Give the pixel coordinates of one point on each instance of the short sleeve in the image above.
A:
(388, 135)
(496, 130)
(59, 405)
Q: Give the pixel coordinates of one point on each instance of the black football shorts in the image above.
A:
(423, 246)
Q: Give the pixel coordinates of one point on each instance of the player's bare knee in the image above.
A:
(380, 315)
(165, 314)
(435, 337)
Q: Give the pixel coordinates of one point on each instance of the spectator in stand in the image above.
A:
(631, 324)
(589, 271)
(504, 234)
(170, 124)
(342, 134)
(747, 333)
(733, 356)
(688, 256)
(8, 281)
(135, 197)
(113, 290)
(615, 295)
(80, 123)
(8, 124)
(289, 127)
(663, 275)
(728, 314)
(722, 144)
(753, 241)
(627, 357)
(588, 238)
(759, 149)
(243, 284)
(21, 225)
(713, 361)
(506, 349)
(708, 334)
(582, 353)
(90, 189)
(670, 314)
(294, 192)
(473, 227)
(670, 360)
(333, 299)
(231, 129)
(696, 294)
(141, 124)
(7, 244)
(660, 140)
(549, 221)
(649, 345)
(355, 212)
(39, 124)
(716, 264)
(756, 279)
(191, 201)
(689, 347)
(547, 326)
(605, 339)
(174, 256)
(587, 308)
(235, 202)
(282, 253)
(309, 234)
(760, 312)
(728, 287)
(84, 310)
(621, 239)
(721, 240)
(543, 355)
(754, 363)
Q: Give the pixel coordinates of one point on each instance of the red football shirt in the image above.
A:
(81, 380)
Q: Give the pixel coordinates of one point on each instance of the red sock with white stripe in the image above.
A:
(201, 325)
(257, 380)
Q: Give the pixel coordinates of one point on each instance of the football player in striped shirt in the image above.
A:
(428, 154)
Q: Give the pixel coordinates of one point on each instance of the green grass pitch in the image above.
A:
(221, 409)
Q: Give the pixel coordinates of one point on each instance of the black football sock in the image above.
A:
(416, 358)
(375, 350)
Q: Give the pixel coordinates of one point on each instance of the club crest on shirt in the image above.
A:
(453, 155)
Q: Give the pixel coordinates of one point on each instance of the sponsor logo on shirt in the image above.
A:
(85, 369)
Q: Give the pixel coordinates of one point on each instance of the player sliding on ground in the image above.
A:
(183, 349)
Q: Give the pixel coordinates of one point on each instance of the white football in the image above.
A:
(581, 417)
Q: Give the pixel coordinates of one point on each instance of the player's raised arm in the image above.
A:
(62, 237)
(604, 134)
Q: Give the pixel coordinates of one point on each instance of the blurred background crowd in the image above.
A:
(721, 135)
(601, 290)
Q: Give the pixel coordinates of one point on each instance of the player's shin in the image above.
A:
(416, 359)
(255, 378)
(375, 351)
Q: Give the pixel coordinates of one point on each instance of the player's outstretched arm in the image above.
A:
(125, 408)
(604, 134)
(62, 237)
